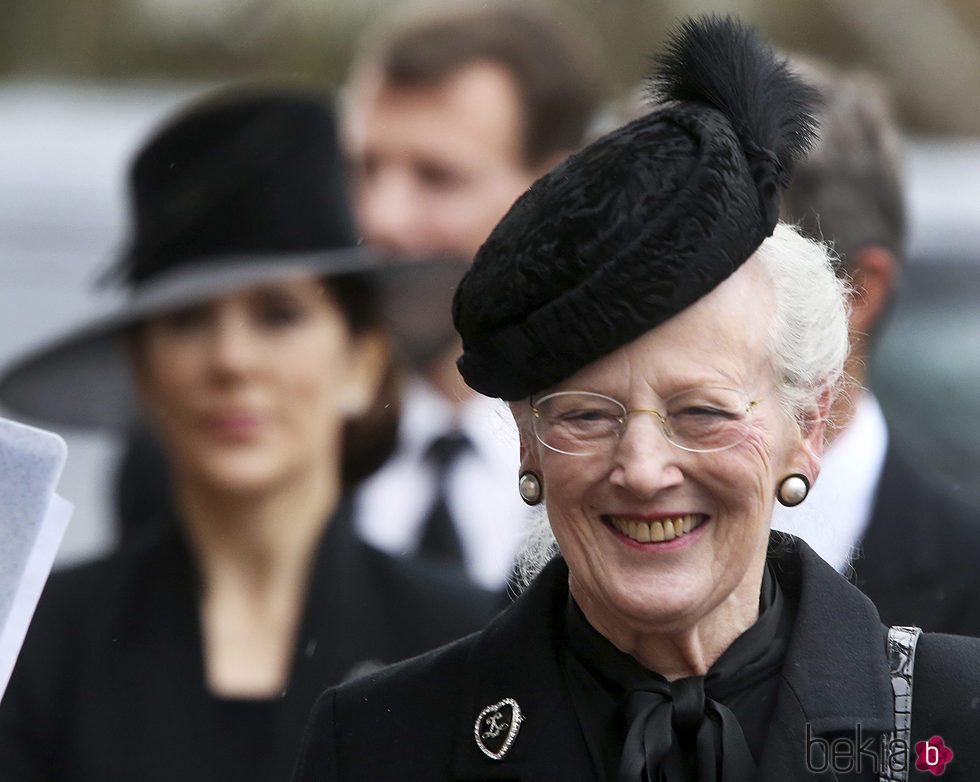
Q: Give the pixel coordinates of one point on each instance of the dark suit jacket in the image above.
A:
(110, 684)
(920, 558)
(415, 721)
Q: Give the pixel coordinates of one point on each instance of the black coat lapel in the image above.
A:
(157, 668)
(835, 675)
(342, 618)
(339, 622)
(517, 657)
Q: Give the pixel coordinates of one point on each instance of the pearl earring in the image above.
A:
(529, 486)
(793, 490)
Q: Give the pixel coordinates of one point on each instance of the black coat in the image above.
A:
(110, 684)
(415, 721)
(920, 557)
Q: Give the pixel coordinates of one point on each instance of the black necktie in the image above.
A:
(440, 541)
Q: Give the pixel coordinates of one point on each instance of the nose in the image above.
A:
(232, 347)
(644, 462)
(385, 212)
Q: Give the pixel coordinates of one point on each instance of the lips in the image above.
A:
(233, 425)
(659, 531)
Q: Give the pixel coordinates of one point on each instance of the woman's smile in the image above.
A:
(660, 533)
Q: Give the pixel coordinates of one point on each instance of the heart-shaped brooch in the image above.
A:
(496, 728)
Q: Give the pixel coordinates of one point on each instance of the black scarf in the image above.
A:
(640, 727)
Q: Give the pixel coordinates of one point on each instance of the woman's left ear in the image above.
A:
(369, 356)
(519, 411)
(530, 481)
(812, 430)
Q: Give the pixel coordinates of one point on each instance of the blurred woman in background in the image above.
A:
(254, 338)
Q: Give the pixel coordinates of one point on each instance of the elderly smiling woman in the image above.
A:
(669, 353)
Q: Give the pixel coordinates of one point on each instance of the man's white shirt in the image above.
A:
(391, 505)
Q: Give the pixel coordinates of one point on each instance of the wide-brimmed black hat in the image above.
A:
(242, 189)
(641, 223)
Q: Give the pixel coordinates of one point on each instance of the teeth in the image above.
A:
(657, 531)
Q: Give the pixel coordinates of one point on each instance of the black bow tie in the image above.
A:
(677, 733)
(683, 731)
(680, 731)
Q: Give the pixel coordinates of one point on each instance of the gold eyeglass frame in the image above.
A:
(750, 405)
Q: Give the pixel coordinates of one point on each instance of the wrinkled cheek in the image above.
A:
(565, 496)
(569, 474)
(758, 454)
(747, 483)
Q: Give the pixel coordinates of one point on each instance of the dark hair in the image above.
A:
(370, 438)
(554, 68)
(358, 298)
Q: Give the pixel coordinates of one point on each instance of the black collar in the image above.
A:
(839, 667)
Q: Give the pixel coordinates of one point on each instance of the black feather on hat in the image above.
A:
(641, 223)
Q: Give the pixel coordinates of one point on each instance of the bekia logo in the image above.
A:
(932, 755)
(862, 753)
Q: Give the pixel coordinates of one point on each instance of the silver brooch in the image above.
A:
(496, 728)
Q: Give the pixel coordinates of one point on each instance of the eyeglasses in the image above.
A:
(702, 420)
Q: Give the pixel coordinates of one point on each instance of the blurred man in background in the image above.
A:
(451, 113)
(914, 542)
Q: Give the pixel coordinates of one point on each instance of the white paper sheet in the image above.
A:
(25, 595)
(32, 522)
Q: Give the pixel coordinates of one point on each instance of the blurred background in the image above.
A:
(82, 83)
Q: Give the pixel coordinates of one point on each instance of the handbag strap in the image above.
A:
(901, 661)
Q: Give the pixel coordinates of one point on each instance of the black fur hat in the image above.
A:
(641, 223)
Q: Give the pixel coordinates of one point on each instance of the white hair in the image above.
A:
(809, 344)
(809, 325)
(539, 548)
